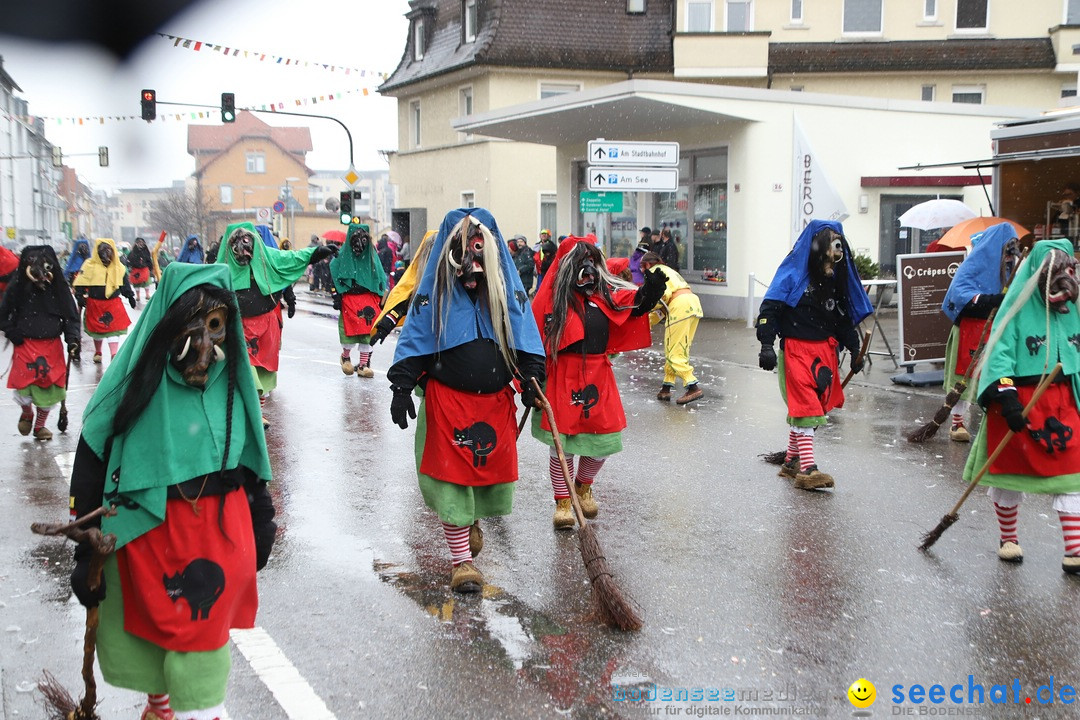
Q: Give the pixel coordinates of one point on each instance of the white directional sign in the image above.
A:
(625, 179)
(664, 154)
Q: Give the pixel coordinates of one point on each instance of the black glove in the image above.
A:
(401, 404)
(14, 336)
(322, 252)
(1011, 410)
(336, 299)
(857, 364)
(766, 359)
(292, 309)
(528, 392)
(131, 300)
(74, 350)
(80, 578)
(384, 327)
(650, 292)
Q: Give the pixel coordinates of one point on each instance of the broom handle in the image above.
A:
(862, 354)
(1042, 387)
(558, 450)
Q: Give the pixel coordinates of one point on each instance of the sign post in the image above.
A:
(628, 179)
(922, 281)
(616, 153)
(600, 202)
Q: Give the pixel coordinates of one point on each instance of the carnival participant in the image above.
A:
(359, 284)
(9, 263)
(36, 312)
(395, 307)
(680, 311)
(98, 287)
(585, 314)
(75, 261)
(815, 304)
(468, 335)
(140, 262)
(192, 252)
(172, 441)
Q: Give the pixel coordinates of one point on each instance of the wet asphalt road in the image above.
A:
(776, 597)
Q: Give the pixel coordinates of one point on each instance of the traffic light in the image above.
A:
(346, 207)
(57, 156)
(228, 107)
(149, 105)
(103, 156)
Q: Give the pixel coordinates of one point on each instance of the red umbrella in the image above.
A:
(959, 237)
(334, 236)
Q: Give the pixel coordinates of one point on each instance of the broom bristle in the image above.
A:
(58, 702)
(934, 535)
(774, 458)
(614, 608)
(924, 433)
(62, 423)
(930, 429)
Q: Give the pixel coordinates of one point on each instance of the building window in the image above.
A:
(414, 123)
(972, 94)
(929, 10)
(740, 15)
(699, 16)
(1068, 91)
(635, 7)
(255, 162)
(552, 89)
(796, 11)
(418, 39)
(465, 107)
(549, 215)
(971, 14)
(862, 16)
(468, 200)
(469, 20)
(1072, 12)
(226, 194)
(928, 93)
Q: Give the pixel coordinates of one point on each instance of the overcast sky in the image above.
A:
(79, 81)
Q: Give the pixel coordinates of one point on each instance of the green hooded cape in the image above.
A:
(181, 433)
(273, 269)
(350, 270)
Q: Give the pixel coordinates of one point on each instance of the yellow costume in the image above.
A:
(403, 290)
(680, 311)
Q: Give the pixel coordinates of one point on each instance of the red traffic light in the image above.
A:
(149, 105)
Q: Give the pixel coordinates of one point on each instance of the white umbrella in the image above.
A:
(938, 213)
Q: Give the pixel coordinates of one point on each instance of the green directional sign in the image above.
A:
(600, 202)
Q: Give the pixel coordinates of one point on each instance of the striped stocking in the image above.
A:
(1070, 530)
(558, 482)
(1007, 522)
(42, 414)
(365, 359)
(113, 347)
(457, 539)
(588, 467)
(804, 439)
(158, 703)
(792, 446)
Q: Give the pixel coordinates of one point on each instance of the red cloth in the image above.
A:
(617, 265)
(583, 395)
(263, 336)
(187, 582)
(106, 316)
(971, 332)
(812, 377)
(471, 437)
(358, 312)
(38, 362)
(1054, 419)
(625, 333)
(139, 276)
(9, 261)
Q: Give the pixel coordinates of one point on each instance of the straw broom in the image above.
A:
(777, 458)
(615, 609)
(951, 517)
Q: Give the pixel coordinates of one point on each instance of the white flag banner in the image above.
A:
(813, 196)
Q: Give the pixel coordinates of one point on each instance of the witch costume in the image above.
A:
(359, 283)
(78, 256)
(140, 262)
(98, 287)
(468, 334)
(172, 440)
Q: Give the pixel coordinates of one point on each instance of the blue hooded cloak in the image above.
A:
(196, 256)
(980, 273)
(75, 261)
(267, 236)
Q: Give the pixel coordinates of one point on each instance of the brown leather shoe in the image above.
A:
(589, 507)
(693, 392)
(665, 393)
(813, 479)
(466, 579)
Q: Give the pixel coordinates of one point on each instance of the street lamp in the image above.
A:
(290, 202)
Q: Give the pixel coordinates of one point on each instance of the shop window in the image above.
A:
(469, 19)
(928, 92)
(971, 14)
(255, 162)
(862, 16)
(740, 15)
(971, 94)
(699, 16)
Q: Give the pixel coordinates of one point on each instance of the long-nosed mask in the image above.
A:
(242, 244)
(1058, 285)
(39, 270)
(467, 260)
(199, 343)
(826, 254)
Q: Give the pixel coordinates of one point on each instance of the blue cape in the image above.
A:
(793, 276)
(196, 256)
(75, 261)
(418, 334)
(267, 236)
(980, 273)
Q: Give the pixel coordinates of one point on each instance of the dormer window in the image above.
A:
(418, 39)
(469, 20)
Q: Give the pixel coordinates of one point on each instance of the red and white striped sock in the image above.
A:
(558, 482)
(957, 419)
(42, 414)
(346, 354)
(365, 359)
(262, 400)
(158, 702)
(97, 347)
(792, 446)
(588, 468)
(457, 539)
(805, 443)
(1007, 522)
(113, 347)
(1070, 530)
(27, 412)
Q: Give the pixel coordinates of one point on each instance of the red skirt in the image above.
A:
(812, 377)
(583, 395)
(38, 362)
(471, 437)
(186, 583)
(263, 336)
(1047, 449)
(139, 276)
(358, 312)
(971, 332)
(106, 316)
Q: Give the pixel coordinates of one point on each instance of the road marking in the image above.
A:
(65, 461)
(280, 676)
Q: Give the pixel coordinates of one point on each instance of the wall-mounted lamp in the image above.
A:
(864, 203)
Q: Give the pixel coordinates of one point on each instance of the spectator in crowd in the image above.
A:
(667, 249)
(523, 261)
